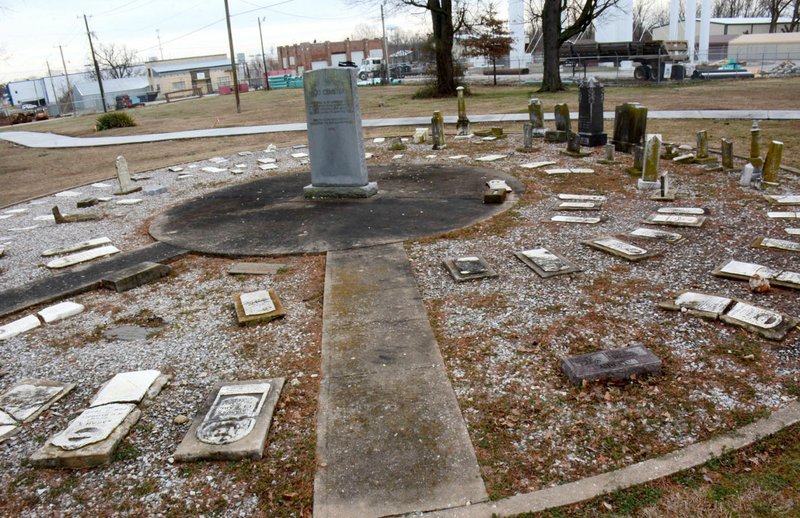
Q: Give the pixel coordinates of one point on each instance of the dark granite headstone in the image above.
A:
(630, 125)
(591, 94)
(615, 364)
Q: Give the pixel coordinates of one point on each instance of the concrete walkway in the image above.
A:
(51, 140)
(390, 435)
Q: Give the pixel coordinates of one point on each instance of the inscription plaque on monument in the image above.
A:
(336, 146)
(258, 306)
(615, 364)
(234, 412)
(700, 304)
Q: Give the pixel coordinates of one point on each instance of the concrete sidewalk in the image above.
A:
(51, 140)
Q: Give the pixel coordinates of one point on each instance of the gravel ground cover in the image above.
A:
(502, 339)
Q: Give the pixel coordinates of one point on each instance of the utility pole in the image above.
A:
(66, 76)
(385, 76)
(160, 50)
(53, 86)
(96, 66)
(233, 59)
(263, 56)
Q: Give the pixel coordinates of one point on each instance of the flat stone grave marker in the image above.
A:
(104, 199)
(498, 184)
(129, 201)
(777, 244)
(19, 326)
(153, 190)
(613, 364)
(570, 170)
(267, 160)
(783, 215)
(129, 387)
(86, 203)
(743, 271)
(212, 169)
(792, 231)
(699, 304)
(68, 194)
(696, 211)
(619, 248)
(233, 423)
(547, 263)
(60, 311)
(457, 157)
(184, 176)
(255, 268)
(46, 217)
(469, 268)
(784, 199)
(175, 169)
(82, 257)
(299, 155)
(134, 276)
(268, 167)
(658, 235)
(537, 165)
(687, 158)
(576, 219)
(257, 306)
(217, 160)
(579, 205)
(15, 211)
(582, 197)
(494, 196)
(674, 220)
(770, 324)
(244, 153)
(490, 158)
(26, 400)
(128, 333)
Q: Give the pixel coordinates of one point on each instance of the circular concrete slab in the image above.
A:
(270, 217)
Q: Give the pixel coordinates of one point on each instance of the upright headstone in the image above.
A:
(608, 158)
(630, 125)
(638, 161)
(747, 175)
(336, 145)
(755, 141)
(437, 130)
(772, 164)
(527, 136)
(536, 117)
(727, 154)
(574, 144)
(124, 177)
(591, 94)
(701, 155)
(563, 124)
(462, 124)
(652, 156)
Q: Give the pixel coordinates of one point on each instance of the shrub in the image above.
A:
(114, 120)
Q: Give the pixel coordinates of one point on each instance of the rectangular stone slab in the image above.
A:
(772, 325)
(244, 318)
(60, 311)
(689, 211)
(576, 219)
(614, 364)
(784, 199)
(579, 205)
(783, 215)
(777, 244)
(582, 197)
(657, 235)
(255, 268)
(699, 304)
(28, 398)
(537, 165)
(490, 158)
(239, 401)
(469, 268)
(82, 257)
(19, 326)
(619, 248)
(95, 454)
(135, 276)
(675, 220)
(547, 263)
(742, 271)
(129, 387)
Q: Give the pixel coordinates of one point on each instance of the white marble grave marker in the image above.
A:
(778, 244)
(576, 219)
(681, 210)
(82, 257)
(702, 302)
(18, 326)
(755, 316)
(77, 247)
(660, 235)
(234, 413)
(93, 425)
(582, 197)
(257, 303)
(126, 387)
(60, 311)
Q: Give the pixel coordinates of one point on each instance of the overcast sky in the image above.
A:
(32, 30)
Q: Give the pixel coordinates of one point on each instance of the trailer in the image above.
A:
(658, 59)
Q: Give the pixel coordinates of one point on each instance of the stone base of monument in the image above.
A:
(668, 196)
(555, 136)
(219, 434)
(646, 185)
(576, 154)
(319, 192)
(623, 147)
(593, 139)
(131, 190)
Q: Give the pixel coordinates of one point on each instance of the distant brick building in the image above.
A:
(311, 56)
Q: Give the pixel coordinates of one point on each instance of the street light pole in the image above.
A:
(233, 59)
(263, 56)
(96, 66)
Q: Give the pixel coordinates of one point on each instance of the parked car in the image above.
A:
(348, 64)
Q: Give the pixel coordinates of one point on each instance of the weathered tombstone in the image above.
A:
(675, 220)
(258, 306)
(469, 268)
(576, 219)
(420, 135)
(772, 164)
(727, 154)
(255, 268)
(26, 400)
(614, 364)
(757, 177)
(233, 423)
(638, 161)
(134, 276)
(462, 124)
(124, 177)
(777, 244)
(591, 94)
(563, 124)
(658, 235)
(698, 304)
(19, 326)
(747, 175)
(630, 125)
(701, 155)
(333, 115)
(72, 218)
(772, 325)
(609, 156)
(536, 117)
(81, 257)
(527, 136)
(670, 150)
(574, 145)
(619, 248)
(437, 130)
(755, 141)
(77, 247)
(652, 156)
(60, 311)
(546, 263)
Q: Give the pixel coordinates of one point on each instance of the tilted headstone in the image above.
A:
(437, 130)
(335, 140)
(124, 177)
(772, 164)
(652, 156)
(536, 117)
(462, 124)
(574, 144)
(755, 141)
(591, 94)
(727, 154)
(630, 125)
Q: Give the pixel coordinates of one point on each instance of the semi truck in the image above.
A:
(657, 59)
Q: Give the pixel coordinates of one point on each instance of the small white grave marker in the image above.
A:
(213, 170)
(77, 247)
(19, 326)
(783, 215)
(82, 257)
(60, 311)
(68, 194)
(126, 387)
(257, 303)
(93, 425)
(576, 219)
(682, 210)
(537, 165)
(581, 197)
(490, 158)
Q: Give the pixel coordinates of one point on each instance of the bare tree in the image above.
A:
(774, 9)
(488, 38)
(794, 25)
(116, 61)
(364, 31)
(737, 8)
(648, 15)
